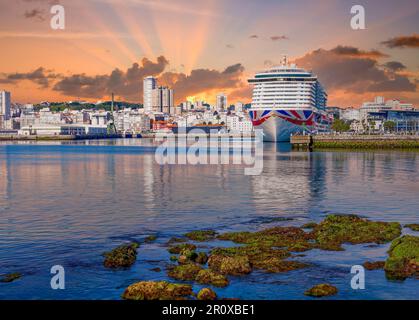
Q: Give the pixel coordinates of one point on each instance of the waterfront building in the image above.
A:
(403, 120)
(374, 106)
(350, 114)
(149, 84)
(64, 129)
(335, 112)
(221, 102)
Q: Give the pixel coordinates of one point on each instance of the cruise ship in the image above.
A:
(288, 100)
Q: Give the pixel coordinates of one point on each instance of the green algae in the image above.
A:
(335, 230)
(293, 238)
(374, 265)
(201, 235)
(177, 249)
(206, 294)
(403, 260)
(207, 276)
(277, 265)
(232, 265)
(11, 277)
(122, 256)
(185, 271)
(309, 225)
(413, 226)
(150, 238)
(322, 290)
(157, 290)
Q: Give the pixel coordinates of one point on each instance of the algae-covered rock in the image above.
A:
(287, 237)
(201, 258)
(201, 235)
(122, 256)
(260, 257)
(185, 272)
(403, 260)
(11, 277)
(413, 226)
(173, 258)
(277, 265)
(309, 225)
(176, 240)
(335, 230)
(150, 238)
(322, 290)
(374, 265)
(206, 294)
(207, 276)
(178, 248)
(157, 290)
(233, 265)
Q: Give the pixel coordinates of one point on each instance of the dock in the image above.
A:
(302, 142)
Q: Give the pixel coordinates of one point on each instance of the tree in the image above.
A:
(340, 126)
(389, 125)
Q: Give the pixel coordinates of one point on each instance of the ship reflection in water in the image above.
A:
(66, 203)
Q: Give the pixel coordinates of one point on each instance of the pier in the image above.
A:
(302, 142)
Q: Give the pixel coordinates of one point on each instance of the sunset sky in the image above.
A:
(204, 47)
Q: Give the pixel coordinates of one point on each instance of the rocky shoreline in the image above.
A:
(271, 250)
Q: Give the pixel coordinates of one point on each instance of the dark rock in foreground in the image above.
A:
(185, 272)
(122, 256)
(335, 230)
(207, 276)
(374, 265)
(178, 248)
(206, 294)
(11, 277)
(322, 290)
(157, 290)
(201, 235)
(413, 226)
(403, 260)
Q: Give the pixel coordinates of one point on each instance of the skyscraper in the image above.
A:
(4, 108)
(149, 84)
(162, 100)
(221, 102)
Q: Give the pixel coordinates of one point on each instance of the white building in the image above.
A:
(4, 108)
(149, 84)
(238, 107)
(350, 114)
(221, 103)
(375, 106)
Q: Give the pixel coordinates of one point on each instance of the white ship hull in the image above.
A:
(279, 130)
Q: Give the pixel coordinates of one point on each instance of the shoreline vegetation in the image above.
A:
(273, 250)
(357, 142)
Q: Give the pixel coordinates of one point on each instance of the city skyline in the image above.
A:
(201, 49)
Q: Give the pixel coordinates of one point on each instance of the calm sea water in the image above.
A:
(67, 203)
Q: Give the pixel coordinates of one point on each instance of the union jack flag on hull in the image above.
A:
(298, 117)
